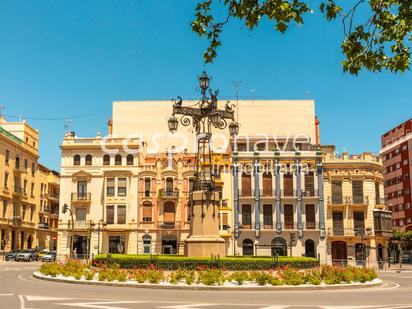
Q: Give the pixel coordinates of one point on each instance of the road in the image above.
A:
(18, 289)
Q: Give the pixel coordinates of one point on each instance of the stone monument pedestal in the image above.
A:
(204, 239)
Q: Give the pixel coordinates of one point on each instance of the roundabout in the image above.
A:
(19, 289)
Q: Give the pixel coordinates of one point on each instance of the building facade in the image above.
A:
(22, 195)
(358, 224)
(396, 153)
(278, 193)
(126, 201)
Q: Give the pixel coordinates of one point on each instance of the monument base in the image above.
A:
(204, 239)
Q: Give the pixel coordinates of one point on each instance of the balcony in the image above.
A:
(288, 193)
(380, 201)
(43, 226)
(358, 200)
(168, 225)
(17, 191)
(19, 169)
(54, 196)
(246, 193)
(81, 198)
(338, 200)
(267, 193)
(310, 193)
(17, 221)
(79, 224)
(168, 194)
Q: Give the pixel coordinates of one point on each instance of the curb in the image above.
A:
(213, 288)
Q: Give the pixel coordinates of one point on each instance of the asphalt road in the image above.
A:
(18, 289)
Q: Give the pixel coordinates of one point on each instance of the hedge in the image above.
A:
(166, 262)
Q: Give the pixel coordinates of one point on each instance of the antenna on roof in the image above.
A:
(237, 89)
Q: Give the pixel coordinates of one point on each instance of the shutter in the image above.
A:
(247, 216)
(288, 184)
(337, 192)
(267, 216)
(147, 213)
(288, 213)
(267, 184)
(169, 212)
(121, 214)
(310, 184)
(246, 185)
(310, 217)
(224, 219)
(357, 191)
(110, 214)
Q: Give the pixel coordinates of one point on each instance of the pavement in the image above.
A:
(18, 289)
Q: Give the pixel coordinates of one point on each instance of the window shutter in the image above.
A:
(121, 214)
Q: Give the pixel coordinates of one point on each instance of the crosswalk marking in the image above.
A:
(100, 304)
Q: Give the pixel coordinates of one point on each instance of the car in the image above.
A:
(49, 256)
(43, 253)
(10, 256)
(27, 255)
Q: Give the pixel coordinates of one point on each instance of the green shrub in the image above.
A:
(173, 262)
(313, 277)
(292, 276)
(51, 269)
(261, 277)
(276, 281)
(211, 277)
(240, 277)
(140, 275)
(155, 276)
(89, 274)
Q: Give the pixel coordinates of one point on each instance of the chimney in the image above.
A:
(317, 126)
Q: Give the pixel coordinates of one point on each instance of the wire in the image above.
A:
(58, 118)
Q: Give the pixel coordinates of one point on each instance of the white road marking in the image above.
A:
(101, 304)
(189, 306)
(23, 303)
(45, 298)
(6, 294)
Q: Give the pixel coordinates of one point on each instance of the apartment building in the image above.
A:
(279, 198)
(396, 153)
(358, 223)
(20, 195)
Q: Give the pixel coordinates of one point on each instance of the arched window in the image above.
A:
(76, 160)
(247, 247)
(106, 159)
(118, 160)
(279, 247)
(310, 248)
(88, 160)
(129, 159)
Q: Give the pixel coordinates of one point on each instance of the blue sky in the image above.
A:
(65, 58)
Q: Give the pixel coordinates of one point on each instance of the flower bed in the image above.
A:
(282, 276)
(173, 262)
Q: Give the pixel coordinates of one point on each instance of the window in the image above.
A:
(405, 162)
(408, 220)
(246, 185)
(309, 184)
(359, 219)
(288, 216)
(33, 169)
(169, 186)
(288, 184)
(7, 157)
(116, 244)
(110, 187)
(81, 214)
(169, 212)
(267, 184)
(81, 190)
(110, 214)
(121, 214)
(147, 212)
(357, 191)
(247, 216)
(267, 216)
(26, 164)
(121, 186)
(310, 216)
(32, 189)
(6, 179)
(88, 160)
(225, 222)
(191, 182)
(25, 186)
(31, 213)
(129, 159)
(118, 160)
(147, 181)
(147, 244)
(337, 192)
(106, 159)
(76, 160)
(5, 204)
(247, 247)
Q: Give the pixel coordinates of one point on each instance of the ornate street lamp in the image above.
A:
(203, 116)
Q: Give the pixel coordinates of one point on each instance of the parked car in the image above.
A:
(27, 255)
(43, 253)
(10, 256)
(49, 256)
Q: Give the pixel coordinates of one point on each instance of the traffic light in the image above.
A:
(65, 208)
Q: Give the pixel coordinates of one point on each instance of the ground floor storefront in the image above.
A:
(287, 243)
(17, 238)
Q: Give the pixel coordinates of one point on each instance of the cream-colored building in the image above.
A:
(359, 226)
(159, 157)
(21, 194)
